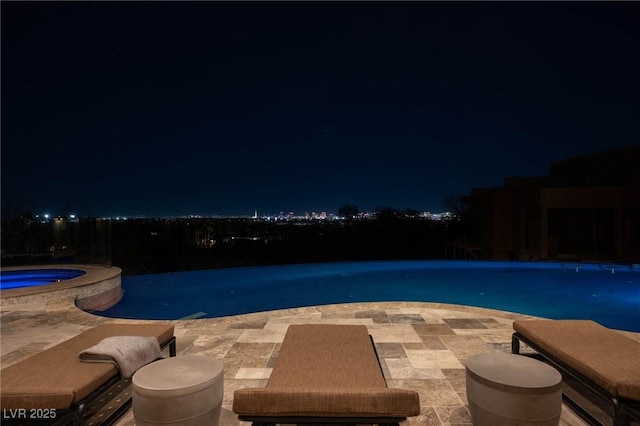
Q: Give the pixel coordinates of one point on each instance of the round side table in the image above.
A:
(513, 390)
(185, 390)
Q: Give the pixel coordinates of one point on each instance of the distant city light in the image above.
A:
(282, 216)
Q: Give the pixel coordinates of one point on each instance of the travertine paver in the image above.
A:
(422, 346)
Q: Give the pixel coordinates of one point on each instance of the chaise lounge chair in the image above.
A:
(55, 387)
(326, 374)
(603, 362)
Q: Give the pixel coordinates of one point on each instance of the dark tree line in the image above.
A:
(141, 248)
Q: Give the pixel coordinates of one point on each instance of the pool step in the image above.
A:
(194, 316)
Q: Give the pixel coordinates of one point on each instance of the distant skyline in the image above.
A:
(220, 108)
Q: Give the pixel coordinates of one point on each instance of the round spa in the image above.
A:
(185, 390)
(508, 390)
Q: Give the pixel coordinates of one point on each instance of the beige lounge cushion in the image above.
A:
(56, 378)
(327, 356)
(326, 402)
(605, 356)
(327, 370)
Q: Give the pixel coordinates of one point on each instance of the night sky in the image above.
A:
(210, 108)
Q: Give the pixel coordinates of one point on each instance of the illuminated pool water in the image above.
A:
(35, 277)
(607, 294)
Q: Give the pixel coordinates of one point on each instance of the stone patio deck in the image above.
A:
(422, 346)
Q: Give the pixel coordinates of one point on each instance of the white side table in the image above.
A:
(508, 390)
(185, 390)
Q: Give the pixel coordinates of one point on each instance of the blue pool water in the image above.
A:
(607, 294)
(35, 277)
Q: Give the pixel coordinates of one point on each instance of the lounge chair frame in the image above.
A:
(75, 415)
(337, 421)
(624, 410)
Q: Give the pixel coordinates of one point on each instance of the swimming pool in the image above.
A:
(607, 294)
(36, 277)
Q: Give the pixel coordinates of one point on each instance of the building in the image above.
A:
(588, 208)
